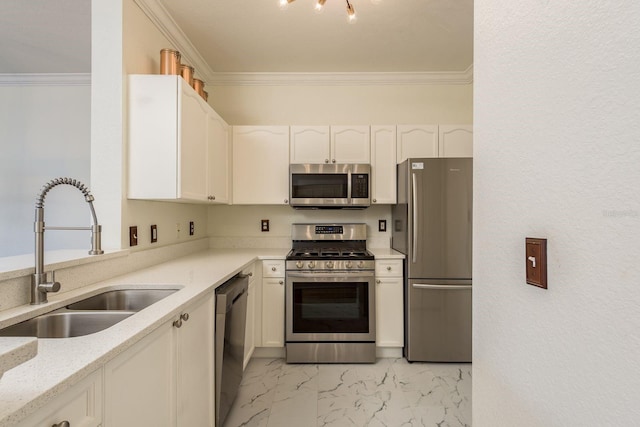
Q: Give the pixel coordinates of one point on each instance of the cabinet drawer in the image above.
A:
(273, 268)
(81, 405)
(389, 268)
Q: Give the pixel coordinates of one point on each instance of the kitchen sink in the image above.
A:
(123, 299)
(65, 324)
(90, 315)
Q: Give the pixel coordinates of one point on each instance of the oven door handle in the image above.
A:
(331, 275)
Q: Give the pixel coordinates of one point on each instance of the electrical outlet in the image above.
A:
(382, 225)
(133, 236)
(154, 233)
(192, 228)
(264, 225)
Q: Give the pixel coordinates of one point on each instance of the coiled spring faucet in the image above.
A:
(39, 284)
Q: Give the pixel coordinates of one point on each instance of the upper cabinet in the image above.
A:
(178, 146)
(455, 140)
(329, 144)
(260, 165)
(434, 141)
(417, 141)
(383, 165)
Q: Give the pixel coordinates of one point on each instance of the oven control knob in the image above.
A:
(349, 264)
(299, 264)
(330, 264)
(361, 264)
(312, 264)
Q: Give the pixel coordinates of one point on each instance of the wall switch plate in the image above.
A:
(133, 236)
(536, 261)
(192, 228)
(264, 225)
(382, 225)
(154, 233)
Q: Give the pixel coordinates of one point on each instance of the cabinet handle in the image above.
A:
(62, 424)
(333, 161)
(213, 197)
(184, 316)
(177, 323)
(273, 269)
(374, 200)
(389, 268)
(378, 281)
(250, 274)
(286, 201)
(326, 160)
(281, 282)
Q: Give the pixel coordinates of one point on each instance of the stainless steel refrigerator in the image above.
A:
(432, 227)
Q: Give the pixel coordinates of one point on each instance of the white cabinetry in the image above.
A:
(167, 378)
(80, 406)
(383, 165)
(324, 144)
(389, 303)
(173, 134)
(417, 141)
(455, 140)
(260, 165)
(273, 303)
(250, 335)
(310, 144)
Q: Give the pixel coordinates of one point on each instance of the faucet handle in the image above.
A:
(50, 286)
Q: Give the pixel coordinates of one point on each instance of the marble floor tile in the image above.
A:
(389, 393)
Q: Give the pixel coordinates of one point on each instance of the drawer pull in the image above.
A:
(273, 269)
(389, 268)
(62, 424)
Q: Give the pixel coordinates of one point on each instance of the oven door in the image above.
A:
(330, 307)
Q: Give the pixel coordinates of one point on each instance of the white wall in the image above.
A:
(557, 155)
(44, 134)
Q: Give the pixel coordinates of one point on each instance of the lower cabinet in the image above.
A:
(166, 379)
(389, 303)
(80, 406)
(273, 303)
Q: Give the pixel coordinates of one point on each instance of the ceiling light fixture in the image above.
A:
(319, 6)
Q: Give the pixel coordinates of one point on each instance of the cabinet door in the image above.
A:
(417, 141)
(140, 383)
(456, 140)
(350, 144)
(383, 165)
(192, 146)
(80, 406)
(389, 312)
(260, 165)
(249, 336)
(195, 365)
(273, 312)
(218, 164)
(309, 144)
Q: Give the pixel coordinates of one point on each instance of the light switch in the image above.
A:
(154, 233)
(536, 261)
(133, 236)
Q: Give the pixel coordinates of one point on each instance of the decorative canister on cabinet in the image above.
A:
(198, 86)
(169, 62)
(187, 73)
(205, 95)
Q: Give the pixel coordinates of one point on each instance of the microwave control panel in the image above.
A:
(360, 186)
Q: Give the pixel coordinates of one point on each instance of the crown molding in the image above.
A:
(46, 79)
(165, 23)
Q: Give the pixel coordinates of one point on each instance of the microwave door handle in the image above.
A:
(414, 200)
(349, 187)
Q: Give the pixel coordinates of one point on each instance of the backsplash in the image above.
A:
(15, 291)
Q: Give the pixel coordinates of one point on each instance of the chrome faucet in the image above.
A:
(39, 284)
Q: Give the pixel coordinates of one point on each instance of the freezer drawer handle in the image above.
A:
(442, 287)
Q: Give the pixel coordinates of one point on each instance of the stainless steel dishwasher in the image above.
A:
(231, 317)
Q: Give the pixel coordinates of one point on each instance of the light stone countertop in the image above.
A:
(15, 351)
(63, 362)
(386, 253)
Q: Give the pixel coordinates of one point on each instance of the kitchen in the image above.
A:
(119, 215)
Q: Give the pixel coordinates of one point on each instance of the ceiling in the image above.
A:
(255, 36)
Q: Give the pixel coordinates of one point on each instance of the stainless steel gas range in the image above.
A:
(330, 295)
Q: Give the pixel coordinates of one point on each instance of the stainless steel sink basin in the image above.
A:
(87, 316)
(65, 324)
(123, 299)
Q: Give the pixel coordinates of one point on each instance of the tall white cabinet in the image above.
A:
(178, 145)
(261, 165)
(383, 165)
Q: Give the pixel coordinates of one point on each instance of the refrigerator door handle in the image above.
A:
(442, 287)
(414, 199)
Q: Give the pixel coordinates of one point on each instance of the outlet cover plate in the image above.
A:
(536, 261)
(133, 235)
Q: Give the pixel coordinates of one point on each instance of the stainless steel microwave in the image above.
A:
(330, 186)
